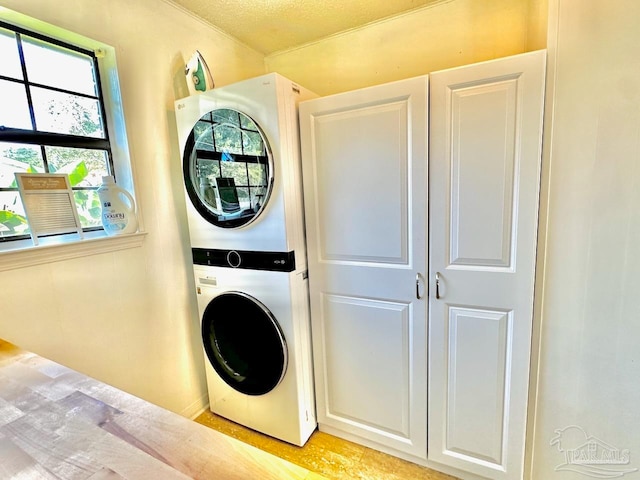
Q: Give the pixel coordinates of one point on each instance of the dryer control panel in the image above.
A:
(251, 260)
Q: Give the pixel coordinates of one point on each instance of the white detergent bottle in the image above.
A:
(118, 208)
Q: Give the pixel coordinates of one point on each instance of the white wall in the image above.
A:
(444, 35)
(129, 318)
(589, 354)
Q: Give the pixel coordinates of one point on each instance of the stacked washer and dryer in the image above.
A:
(242, 177)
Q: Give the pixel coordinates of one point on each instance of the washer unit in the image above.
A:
(255, 331)
(242, 178)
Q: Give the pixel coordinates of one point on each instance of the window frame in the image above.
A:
(21, 253)
(43, 139)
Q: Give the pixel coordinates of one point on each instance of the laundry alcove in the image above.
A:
(421, 200)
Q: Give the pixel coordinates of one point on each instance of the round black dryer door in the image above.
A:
(228, 168)
(244, 343)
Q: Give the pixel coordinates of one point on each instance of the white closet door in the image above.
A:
(485, 150)
(365, 184)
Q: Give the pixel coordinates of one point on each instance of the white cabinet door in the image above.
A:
(365, 185)
(485, 150)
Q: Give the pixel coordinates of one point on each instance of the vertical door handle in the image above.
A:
(438, 285)
(418, 296)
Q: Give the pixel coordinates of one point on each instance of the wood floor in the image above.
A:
(327, 455)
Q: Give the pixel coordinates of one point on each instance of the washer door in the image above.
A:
(228, 168)
(244, 343)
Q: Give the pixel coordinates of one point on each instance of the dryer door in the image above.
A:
(244, 343)
(228, 168)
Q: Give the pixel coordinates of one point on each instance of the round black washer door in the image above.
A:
(228, 168)
(244, 343)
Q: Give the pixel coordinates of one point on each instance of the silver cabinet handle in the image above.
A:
(418, 286)
(438, 285)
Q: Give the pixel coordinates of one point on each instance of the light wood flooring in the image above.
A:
(327, 455)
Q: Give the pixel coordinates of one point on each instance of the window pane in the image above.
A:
(226, 116)
(59, 67)
(63, 113)
(252, 143)
(10, 64)
(237, 171)
(228, 139)
(204, 136)
(257, 174)
(12, 219)
(207, 169)
(246, 123)
(14, 109)
(84, 167)
(88, 206)
(16, 157)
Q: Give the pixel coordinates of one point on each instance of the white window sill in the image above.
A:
(23, 253)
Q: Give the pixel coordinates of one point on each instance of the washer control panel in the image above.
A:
(251, 260)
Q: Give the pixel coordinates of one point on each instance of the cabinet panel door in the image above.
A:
(484, 173)
(365, 184)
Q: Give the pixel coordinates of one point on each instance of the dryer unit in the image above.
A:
(256, 335)
(241, 166)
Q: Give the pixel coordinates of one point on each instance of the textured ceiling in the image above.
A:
(269, 26)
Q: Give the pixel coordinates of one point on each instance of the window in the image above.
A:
(52, 119)
(103, 146)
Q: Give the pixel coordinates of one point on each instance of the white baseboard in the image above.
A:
(196, 408)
